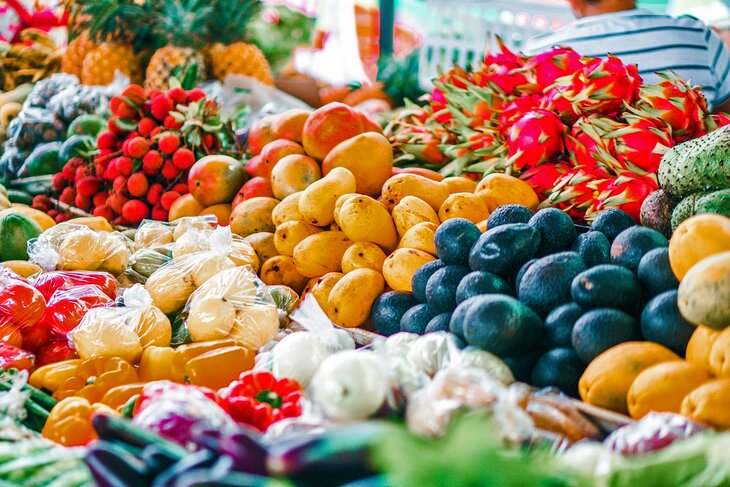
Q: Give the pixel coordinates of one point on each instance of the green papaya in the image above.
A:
(16, 196)
(43, 160)
(86, 125)
(15, 231)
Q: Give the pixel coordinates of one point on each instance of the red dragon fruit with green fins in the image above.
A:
(626, 192)
(721, 119)
(675, 103)
(515, 110)
(640, 146)
(576, 191)
(543, 178)
(586, 143)
(537, 137)
(601, 87)
(553, 64)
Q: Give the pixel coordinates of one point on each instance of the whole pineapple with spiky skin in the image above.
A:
(182, 26)
(113, 25)
(73, 57)
(231, 54)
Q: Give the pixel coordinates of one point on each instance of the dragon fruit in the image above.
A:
(626, 192)
(537, 137)
(676, 104)
(576, 192)
(553, 64)
(587, 142)
(640, 146)
(601, 87)
(515, 110)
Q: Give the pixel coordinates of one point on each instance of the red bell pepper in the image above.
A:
(51, 282)
(67, 307)
(21, 305)
(56, 351)
(15, 358)
(259, 399)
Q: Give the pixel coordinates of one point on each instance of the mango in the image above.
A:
(317, 203)
(464, 205)
(323, 285)
(700, 345)
(411, 211)
(460, 184)
(287, 210)
(420, 237)
(363, 219)
(289, 234)
(499, 189)
(368, 156)
(321, 253)
(401, 185)
(281, 270)
(363, 255)
(253, 216)
(708, 404)
(696, 238)
(328, 126)
(293, 174)
(704, 292)
(399, 267)
(352, 297)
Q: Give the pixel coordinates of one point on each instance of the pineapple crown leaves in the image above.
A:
(231, 18)
(182, 23)
(117, 19)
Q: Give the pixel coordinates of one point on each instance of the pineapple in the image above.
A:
(112, 25)
(231, 55)
(183, 26)
(76, 51)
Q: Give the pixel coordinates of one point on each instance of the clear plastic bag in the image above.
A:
(196, 240)
(153, 233)
(50, 282)
(123, 331)
(68, 306)
(79, 248)
(653, 432)
(34, 126)
(47, 88)
(233, 303)
(76, 100)
(21, 305)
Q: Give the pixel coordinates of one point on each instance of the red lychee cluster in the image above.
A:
(143, 157)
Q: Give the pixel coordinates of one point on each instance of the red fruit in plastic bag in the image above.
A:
(15, 358)
(21, 305)
(36, 336)
(653, 432)
(11, 335)
(51, 282)
(67, 307)
(55, 352)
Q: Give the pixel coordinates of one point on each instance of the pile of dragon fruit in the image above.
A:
(585, 133)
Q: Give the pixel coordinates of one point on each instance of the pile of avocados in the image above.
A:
(541, 295)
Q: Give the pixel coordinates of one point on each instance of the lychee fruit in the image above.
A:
(82, 202)
(100, 198)
(134, 211)
(159, 214)
(81, 172)
(87, 187)
(161, 107)
(195, 94)
(178, 95)
(120, 221)
(155, 93)
(168, 143)
(116, 202)
(154, 194)
(183, 158)
(119, 184)
(42, 202)
(152, 162)
(125, 165)
(113, 127)
(136, 148)
(171, 123)
(67, 196)
(106, 140)
(137, 184)
(135, 93)
(146, 126)
(170, 171)
(103, 211)
(168, 199)
(59, 181)
(181, 188)
(111, 172)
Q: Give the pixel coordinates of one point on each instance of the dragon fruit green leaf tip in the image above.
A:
(585, 133)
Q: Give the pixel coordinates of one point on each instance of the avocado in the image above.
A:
(561, 368)
(480, 282)
(661, 322)
(441, 287)
(607, 286)
(504, 249)
(505, 214)
(388, 310)
(655, 273)
(439, 323)
(456, 324)
(612, 222)
(501, 325)
(454, 240)
(557, 231)
(600, 329)
(521, 272)
(416, 319)
(522, 364)
(559, 325)
(632, 244)
(594, 248)
(656, 212)
(546, 284)
(421, 276)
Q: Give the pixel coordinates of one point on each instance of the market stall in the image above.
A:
(218, 268)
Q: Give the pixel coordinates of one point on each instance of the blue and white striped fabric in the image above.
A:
(655, 43)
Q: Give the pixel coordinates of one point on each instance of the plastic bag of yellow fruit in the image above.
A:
(233, 304)
(172, 284)
(153, 233)
(79, 248)
(125, 331)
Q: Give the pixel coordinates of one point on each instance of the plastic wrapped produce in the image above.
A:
(50, 282)
(47, 88)
(10, 161)
(21, 305)
(153, 233)
(76, 100)
(34, 126)
(234, 304)
(79, 248)
(67, 307)
(171, 410)
(654, 432)
(122, 332)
